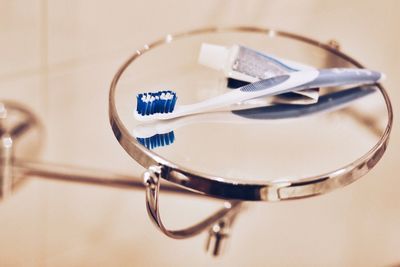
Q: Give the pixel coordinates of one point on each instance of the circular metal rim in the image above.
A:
(253, 190)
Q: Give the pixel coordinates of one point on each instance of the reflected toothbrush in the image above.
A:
(161, 105)
(161, 133)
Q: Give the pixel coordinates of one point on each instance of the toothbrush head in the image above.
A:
(158, 102)
(157, 140)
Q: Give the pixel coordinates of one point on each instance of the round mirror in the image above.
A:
(274, 152)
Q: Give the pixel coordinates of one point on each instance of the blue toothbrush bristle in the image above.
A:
(159, 102)
(157, 140)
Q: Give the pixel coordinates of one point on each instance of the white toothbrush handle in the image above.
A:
(268, 87)
(293, 81)
(343, 77)
(285, 83)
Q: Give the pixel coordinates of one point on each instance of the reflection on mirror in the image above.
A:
(161, 133)
(257, 140)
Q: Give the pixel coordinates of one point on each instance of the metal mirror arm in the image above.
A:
(15, 122)
(81, 175)
(217, 223)
(15, 170)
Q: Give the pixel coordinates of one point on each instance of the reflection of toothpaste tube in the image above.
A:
(245, 64)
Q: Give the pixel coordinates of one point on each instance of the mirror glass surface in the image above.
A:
(236, 145)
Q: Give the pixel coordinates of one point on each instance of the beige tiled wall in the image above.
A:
(58, 57)
(21, 52)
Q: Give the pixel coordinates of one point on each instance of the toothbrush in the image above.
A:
(161, 133)
(161, 105)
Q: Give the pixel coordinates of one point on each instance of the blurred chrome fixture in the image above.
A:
(19, 130)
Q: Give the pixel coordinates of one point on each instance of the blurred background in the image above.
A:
(58, 58)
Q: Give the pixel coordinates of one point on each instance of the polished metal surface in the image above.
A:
(248, 189)
(84, 175)
(152, 179)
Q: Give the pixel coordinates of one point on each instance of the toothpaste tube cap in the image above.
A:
(213, 56)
